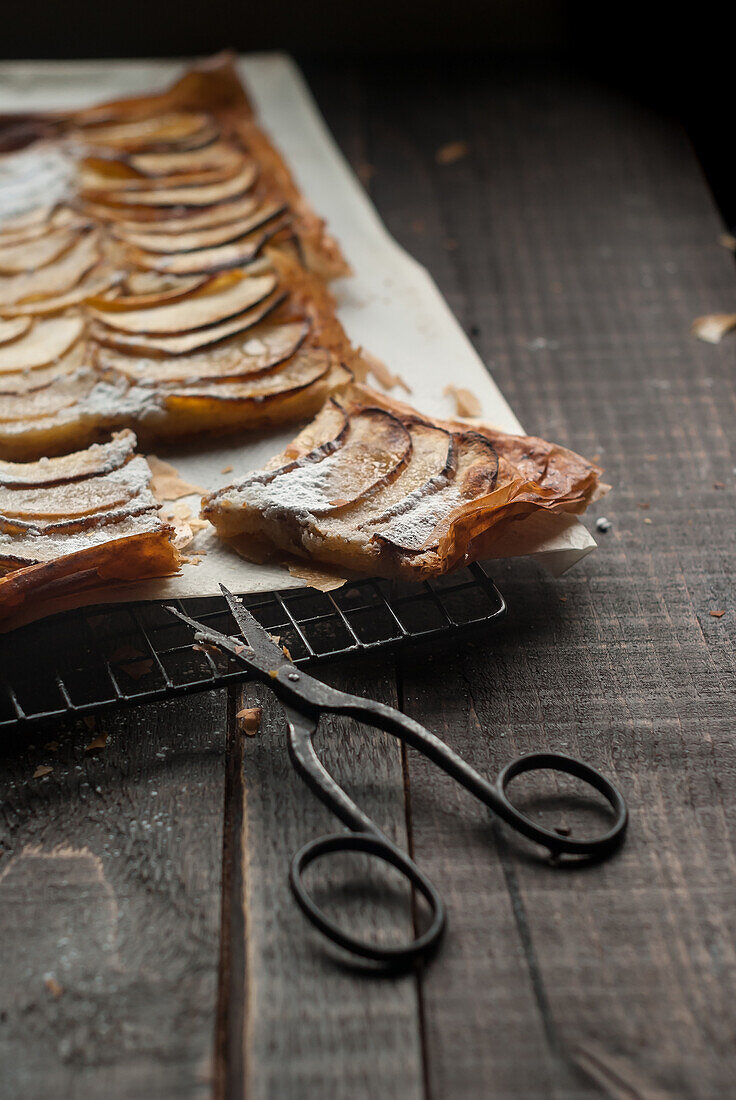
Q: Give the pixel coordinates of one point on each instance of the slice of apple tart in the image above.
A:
(371, 486)
(76, 523)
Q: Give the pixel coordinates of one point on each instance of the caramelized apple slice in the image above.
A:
(45, 343)
(421, 525)
(261, 349)
(29, 255)
(196, 311)
(236, 254)
(98, 179)
(432, 466)
(38, 216)
(205, 195)
(169, 220)
(374, 449)
(55, 278)
(99, 279)
(159, 289)
(188, 342)
(165, 129)
(100, 458)
(306, 367)
(326, 431)
(203, 238)
(74, 499)
(61, 218)
(11, 330)
(28, 381)
(41, 404)
(220, 154)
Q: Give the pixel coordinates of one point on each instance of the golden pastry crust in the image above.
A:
(75, 523)
(173, 238)
(371, 486)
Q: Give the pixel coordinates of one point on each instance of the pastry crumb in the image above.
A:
(98, 743)
(250, 720)
(166, 484)
(466, 402)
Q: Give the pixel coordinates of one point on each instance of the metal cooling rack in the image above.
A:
(86, 660)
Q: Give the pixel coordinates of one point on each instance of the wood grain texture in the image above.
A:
(110, 906)
(314, 1026)
(580, 242)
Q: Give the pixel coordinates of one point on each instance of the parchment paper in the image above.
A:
(390, 305)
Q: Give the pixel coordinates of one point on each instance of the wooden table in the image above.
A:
(149, 944)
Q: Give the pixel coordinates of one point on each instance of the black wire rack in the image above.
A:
(84, 661)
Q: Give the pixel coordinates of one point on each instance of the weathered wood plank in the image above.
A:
(110, 906)
(315, 1027)
(582, 244)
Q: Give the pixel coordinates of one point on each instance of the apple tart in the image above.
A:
(371, 486)
(159, 270)
(78, 522)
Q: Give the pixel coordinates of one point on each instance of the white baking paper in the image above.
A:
(390, 305)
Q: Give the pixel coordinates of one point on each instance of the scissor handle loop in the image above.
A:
(557, 843)
(394, 955)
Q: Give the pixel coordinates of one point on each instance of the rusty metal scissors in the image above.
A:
(306, 699)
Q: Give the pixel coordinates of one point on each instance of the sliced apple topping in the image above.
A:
(29, 255)
(46, 342)
(170, 220)
(372, 452)
(218, 155)
(135, 282)
(54, 278)
(39, 215)
(40, 404)
(100, 279)
(144, 289)
(256, 352)
(432, 466)
(304, 368)
(113, 177)
(326, 430)
(204, 195)
(100, 458)
(419, 526)
(235, 254)
(12, 330)
(193, 312)
(190, 341)
(165, 129)
(28, 381)
(73, 499)
(203, 238)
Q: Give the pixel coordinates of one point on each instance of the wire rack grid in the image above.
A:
(84, 661)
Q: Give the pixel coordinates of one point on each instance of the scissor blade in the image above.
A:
(267, 655)
(215, 637)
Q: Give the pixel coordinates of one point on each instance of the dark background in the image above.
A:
(679, 58)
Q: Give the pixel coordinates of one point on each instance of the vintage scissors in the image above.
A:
(305, 699)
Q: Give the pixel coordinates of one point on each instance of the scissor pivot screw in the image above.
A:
(293, 676)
